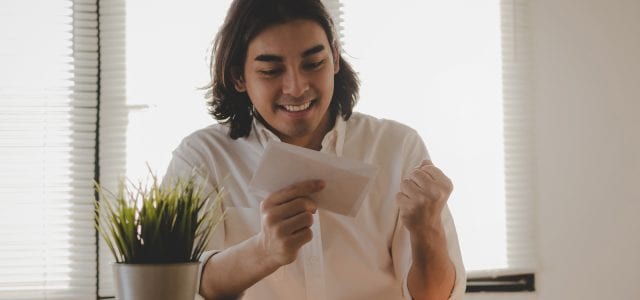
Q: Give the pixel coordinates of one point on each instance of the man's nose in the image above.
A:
(294, 83)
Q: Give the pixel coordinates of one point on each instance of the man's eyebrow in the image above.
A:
(312, 50)
(269, 58)
(276, 58)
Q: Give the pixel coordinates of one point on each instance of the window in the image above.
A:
(454, 70)
(48, 84)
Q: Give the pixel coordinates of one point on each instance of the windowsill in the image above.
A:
(502, 284)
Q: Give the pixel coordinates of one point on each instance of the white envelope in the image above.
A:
(347, 181)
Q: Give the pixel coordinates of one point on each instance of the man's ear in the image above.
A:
(238, 81)
(336, 57)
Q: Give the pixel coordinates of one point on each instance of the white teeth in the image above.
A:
(297, 107)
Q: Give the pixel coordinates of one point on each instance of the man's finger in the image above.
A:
(410, 188)
(421, 177)
(293, 191)
(436, 173)
(294, 207)
(297, 222)
(426, 162)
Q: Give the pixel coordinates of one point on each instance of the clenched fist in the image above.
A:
(287, 216)
(422, 197)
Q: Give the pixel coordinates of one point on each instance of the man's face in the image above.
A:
(288, 75)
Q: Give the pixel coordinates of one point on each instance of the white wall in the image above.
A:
(587, 98)
(586, 85)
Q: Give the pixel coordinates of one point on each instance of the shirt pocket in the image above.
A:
(240, 224)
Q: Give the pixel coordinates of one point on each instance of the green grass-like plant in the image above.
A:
(157, 224)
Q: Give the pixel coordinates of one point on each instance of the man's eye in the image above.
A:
(313, 65)
(270, 72)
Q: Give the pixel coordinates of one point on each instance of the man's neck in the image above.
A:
(314, 140)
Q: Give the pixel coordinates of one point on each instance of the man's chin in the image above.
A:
(302, 130)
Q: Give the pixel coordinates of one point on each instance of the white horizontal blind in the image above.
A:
(113, 118)
(335, 10)
(48, 84)
(520, 185)
(154, 59)
(438, 67)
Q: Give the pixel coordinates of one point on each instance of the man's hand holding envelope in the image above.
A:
(295, 182)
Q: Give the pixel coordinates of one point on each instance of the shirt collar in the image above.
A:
(263, 134)
(333, 141)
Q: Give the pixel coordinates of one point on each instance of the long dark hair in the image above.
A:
(245, 20)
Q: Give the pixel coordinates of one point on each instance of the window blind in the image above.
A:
(520, 185)
(335, 10)
(113, 118)
(48, 84)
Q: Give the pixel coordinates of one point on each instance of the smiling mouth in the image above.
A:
(297, 108)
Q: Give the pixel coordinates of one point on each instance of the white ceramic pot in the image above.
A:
(156, 281)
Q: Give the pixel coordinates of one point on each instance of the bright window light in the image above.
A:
(167, 52)
(436, 66)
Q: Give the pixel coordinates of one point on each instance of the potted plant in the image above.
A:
(156, 234)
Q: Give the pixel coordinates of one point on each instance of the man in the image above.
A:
(278, 75)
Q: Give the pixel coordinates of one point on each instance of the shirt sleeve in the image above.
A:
(415, 151)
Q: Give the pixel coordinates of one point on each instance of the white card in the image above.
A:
(347, 181)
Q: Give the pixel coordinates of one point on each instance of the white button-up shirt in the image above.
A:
(366, 257)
